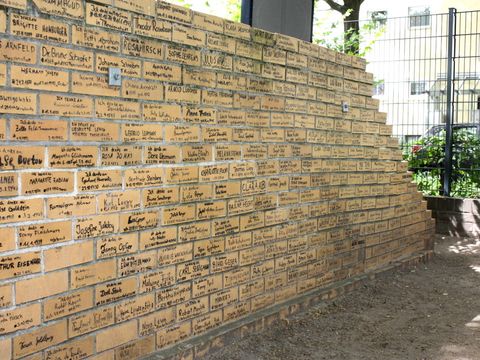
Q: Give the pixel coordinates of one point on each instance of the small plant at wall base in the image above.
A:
(426, 158)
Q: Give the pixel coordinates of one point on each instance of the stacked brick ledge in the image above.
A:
(219, 181)
(455, 216)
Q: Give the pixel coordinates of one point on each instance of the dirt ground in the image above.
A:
(428, 313)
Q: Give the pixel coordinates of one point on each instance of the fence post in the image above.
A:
(447, 174)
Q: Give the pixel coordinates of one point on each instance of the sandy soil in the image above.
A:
(431, 312)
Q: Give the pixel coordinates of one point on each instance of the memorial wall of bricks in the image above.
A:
(220, 178)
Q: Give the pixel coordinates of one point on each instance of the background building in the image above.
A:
(408, 57)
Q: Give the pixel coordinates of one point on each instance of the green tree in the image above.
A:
(234, 9)
(229, 9)
(350, 10)
(364, 40)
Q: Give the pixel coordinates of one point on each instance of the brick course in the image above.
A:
(219, 180)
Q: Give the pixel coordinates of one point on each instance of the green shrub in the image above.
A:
(426, 158)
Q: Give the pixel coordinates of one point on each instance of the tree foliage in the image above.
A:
(362, 40)
(426, 158)
(341, 35)
(229, 9)
(350, 10)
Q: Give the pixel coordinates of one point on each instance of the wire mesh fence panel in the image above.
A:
(465, 178)
(409, 58)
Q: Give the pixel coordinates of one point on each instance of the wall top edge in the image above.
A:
(137, 10)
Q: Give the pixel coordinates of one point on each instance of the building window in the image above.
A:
(409, 139)
(419, 16)
(379, 18)
(417, 88)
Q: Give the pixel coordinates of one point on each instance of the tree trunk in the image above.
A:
(351, 12)
(351, 29)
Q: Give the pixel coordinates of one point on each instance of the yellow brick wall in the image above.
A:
(220, 178)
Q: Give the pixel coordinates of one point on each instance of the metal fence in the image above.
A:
(426, 78)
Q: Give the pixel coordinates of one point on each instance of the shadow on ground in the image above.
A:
(431, 312)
